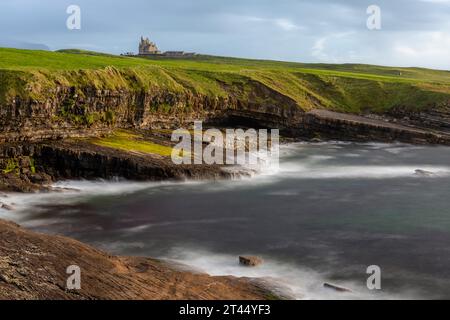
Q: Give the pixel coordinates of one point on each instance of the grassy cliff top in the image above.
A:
(75, 59)
(348, 87)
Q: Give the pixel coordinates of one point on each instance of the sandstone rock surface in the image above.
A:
(33, 266)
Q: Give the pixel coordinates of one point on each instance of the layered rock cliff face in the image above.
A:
(31, 166)
(32, 129)
(78, 112)
(56, 111)
(19, 171)
(337, 126)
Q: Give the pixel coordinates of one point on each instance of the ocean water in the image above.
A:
(327, 213)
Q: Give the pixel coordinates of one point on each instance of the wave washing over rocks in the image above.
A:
(284, 279)
(301, 165)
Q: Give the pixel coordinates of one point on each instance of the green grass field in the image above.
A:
(346, 88)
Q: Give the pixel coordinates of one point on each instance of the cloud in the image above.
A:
(318, 50)
(325, 53)
(286, 25)
(426, 49)
(405, 50)
(282, 23)
(432, 48)
(414, 32)
(436, 1)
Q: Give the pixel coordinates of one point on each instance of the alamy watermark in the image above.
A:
(374, 19)
(374, 280)
(74, 280)
(231, 146)
(73, 22)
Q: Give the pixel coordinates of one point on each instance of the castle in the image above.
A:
(148, 48)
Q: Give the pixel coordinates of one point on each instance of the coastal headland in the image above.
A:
(83, 115)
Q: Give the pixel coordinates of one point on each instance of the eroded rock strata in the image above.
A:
(37, 135)
(70, 112)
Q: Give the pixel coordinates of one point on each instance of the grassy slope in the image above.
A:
(347, 88)
(128, 141)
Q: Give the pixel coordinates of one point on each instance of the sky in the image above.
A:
(413, 32)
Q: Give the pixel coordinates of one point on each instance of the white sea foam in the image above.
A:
(148, 226)
(309, 167)
(302, 170)
(26, 205)
(284, 278)
(319, 158)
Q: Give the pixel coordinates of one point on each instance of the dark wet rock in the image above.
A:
(250, 261)
(40, 178)
(79, 159)
(18, 183)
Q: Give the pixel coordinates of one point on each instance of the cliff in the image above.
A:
(48, 95)
(51, 100)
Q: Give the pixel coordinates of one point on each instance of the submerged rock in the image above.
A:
(423, 173)
(250, 261)
(6, 207)
(335, 287)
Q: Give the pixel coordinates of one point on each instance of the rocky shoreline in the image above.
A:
(33, 166)
(34, 267)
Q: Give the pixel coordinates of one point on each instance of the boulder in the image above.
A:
(335, 287)
(250, 261)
